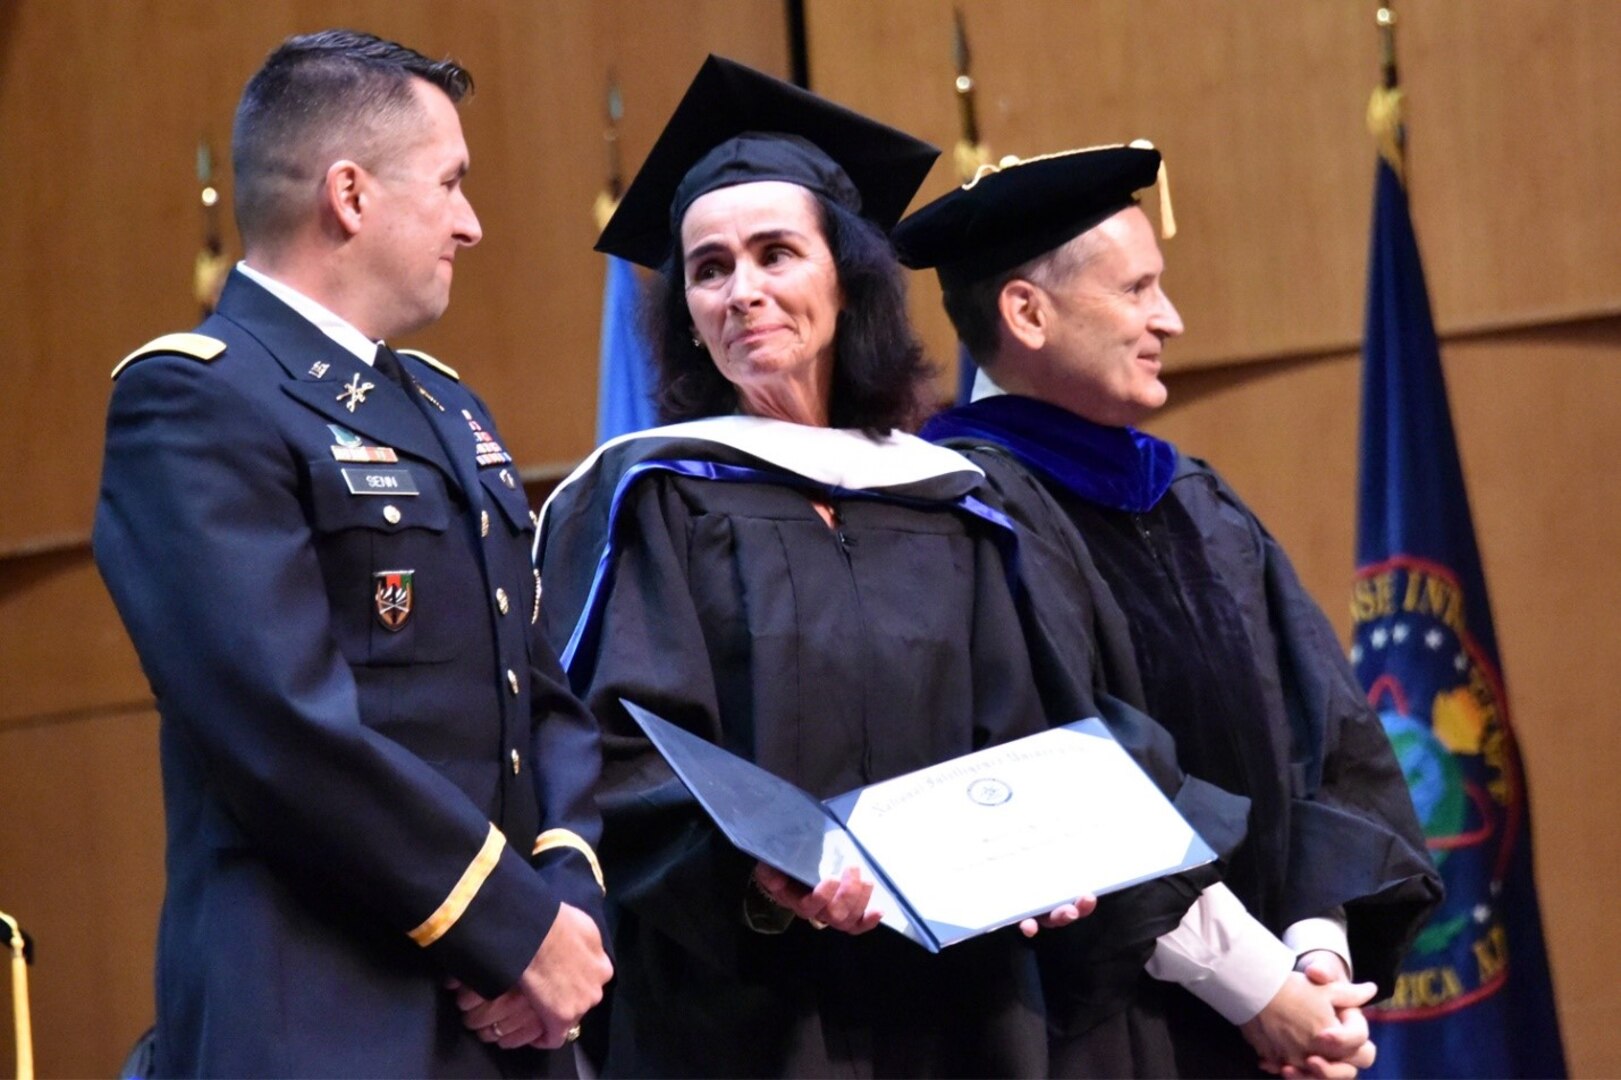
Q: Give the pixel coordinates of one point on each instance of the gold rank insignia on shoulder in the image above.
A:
(199, 347)
(438, 365)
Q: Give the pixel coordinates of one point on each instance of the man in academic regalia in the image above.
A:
(1177, 601)
(377, 785)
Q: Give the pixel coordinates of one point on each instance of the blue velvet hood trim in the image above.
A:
(1121, 468)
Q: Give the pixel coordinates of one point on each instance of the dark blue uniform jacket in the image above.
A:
(352, 797)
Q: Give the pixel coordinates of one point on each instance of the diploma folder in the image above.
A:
(961, 848)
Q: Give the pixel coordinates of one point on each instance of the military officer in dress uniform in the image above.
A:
(378, 788)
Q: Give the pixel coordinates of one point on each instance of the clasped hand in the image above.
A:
(1313, 1026)
(561, 984)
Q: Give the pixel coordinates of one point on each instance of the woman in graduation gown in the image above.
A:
(785, 575)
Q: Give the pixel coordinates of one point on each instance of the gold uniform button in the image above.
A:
(506, 478)
(484, 523)
(516, 763)
(501, 600)
(391, 514)
(512, 681)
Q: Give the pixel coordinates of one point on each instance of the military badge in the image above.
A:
(393, 597)
(355, 393)
(351, 447)
(485, 449)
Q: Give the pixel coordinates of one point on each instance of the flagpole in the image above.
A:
(19, 998)
(1385, 120)
(969, 155)
(970, 152)
(625, 377)
(208, 274)
(614, 186)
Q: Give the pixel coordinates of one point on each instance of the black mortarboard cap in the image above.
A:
(736, 125)
(1011, 213)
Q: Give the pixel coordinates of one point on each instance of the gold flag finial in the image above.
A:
(969, 153)
(1385, 121)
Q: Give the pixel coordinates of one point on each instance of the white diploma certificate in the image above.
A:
(960, 848)
(1016, 830)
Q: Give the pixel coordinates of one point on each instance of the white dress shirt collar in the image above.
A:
(333, 326)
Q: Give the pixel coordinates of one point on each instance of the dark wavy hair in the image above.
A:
(880, 371)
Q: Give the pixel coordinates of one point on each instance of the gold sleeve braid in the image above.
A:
(552, 839)
(456, 901)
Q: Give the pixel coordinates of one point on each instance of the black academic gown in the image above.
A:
(1192, 613)
(832, 656)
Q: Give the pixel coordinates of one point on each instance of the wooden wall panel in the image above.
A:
(105, 103)
(1538, 417)
(1260, 110)
(1514, 143)
(81, 866)
(63, 651)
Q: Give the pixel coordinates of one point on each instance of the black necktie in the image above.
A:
(388, 364)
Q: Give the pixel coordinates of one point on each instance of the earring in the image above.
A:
(697, 342)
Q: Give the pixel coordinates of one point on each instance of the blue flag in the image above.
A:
(1474, 997)
(625, 375)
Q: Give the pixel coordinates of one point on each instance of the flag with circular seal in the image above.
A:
(393, 596)
(1474, 997)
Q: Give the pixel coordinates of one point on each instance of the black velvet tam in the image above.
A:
(1022, 209)
(736, 125)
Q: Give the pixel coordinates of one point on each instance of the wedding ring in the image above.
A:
(571, 1034)
(495, 1028)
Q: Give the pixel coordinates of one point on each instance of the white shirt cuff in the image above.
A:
(1326, 932)
(1222, 955)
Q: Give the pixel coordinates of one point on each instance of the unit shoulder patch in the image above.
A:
(199, 347)
(438, 365)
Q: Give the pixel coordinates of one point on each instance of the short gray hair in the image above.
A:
(975, 309)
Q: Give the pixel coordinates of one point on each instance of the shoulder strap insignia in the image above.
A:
(197, 346)
(437, 365)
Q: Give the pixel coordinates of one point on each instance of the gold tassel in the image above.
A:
(1162, 180)
(1167, 217)
(19, 1000)
(1385, 123)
